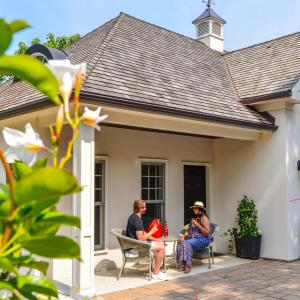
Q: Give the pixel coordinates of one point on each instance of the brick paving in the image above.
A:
(263, 279)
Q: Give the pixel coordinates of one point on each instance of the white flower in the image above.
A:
(65, 74)
(22, 146)
(60, 67)
(92, 118)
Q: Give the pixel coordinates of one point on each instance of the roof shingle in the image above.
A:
(265, 69)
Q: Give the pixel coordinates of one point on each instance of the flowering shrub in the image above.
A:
(29, 219)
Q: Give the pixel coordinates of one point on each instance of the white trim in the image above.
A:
(105, 159)
(157, 160)
(296, 91)
(209, 184)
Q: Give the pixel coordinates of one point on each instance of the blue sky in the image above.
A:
(248, 21)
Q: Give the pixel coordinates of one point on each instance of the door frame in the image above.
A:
(209, 183)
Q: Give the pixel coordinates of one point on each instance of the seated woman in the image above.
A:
(195, 238)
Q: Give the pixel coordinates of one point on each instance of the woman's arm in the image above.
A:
(205, 227)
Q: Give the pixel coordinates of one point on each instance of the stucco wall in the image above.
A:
(256, 169)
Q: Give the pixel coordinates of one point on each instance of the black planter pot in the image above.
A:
(248, 247)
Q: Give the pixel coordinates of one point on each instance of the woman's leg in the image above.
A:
(180, 262)
(185, 254)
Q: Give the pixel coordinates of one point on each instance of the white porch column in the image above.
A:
(83, 207)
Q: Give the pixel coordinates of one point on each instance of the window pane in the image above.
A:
(145, 194)
(152, 182)
(97, 225)
(160, 194)
(98, 168)
(98, 182)
(160, 170)
(159, 182)
(98, 196)
(154, 211)
(152, 170)
(152, 194)
(144, 182)
(144, 170)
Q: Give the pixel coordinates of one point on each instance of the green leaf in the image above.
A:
(39, 206)
(44, 229)
(30, 262)
(42, 163)
(5, 36)
(59, 218)
(21, 170)
(6, 265)
(53, 247)
(33, 71)
(42, 285)
(18, 25)
(45, 183)
(6, 286)
(5, 202)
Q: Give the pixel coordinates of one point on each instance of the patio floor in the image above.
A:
(262, 279)
(136, 275)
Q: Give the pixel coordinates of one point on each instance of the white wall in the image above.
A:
(256, 169)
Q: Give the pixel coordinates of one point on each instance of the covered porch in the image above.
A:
(151, 156)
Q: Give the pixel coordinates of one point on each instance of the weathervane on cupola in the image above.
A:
(209, 28)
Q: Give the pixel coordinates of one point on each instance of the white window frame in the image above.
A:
(156, 160)
(209, 184)
(106, 161)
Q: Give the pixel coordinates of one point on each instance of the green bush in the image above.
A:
(246, 221)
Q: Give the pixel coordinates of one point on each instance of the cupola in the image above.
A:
(209, 28)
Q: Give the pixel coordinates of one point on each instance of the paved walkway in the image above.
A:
(263, 279)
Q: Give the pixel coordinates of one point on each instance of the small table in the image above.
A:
(170, 239)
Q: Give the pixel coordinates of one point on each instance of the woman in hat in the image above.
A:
(195, 238)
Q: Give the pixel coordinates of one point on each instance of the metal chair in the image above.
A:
(133, 250)
(209, 249)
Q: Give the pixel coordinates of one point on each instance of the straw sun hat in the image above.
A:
(198, 204)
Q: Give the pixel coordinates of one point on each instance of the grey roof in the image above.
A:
(266, 70)
(132, 63)
(209, 13)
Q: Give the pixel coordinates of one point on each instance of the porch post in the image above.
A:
(83, 207)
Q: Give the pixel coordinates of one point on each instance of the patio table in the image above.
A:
(170, 239)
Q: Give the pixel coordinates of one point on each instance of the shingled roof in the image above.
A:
(132, 63)
(267, 70)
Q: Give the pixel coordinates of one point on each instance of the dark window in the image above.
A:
(99, 231)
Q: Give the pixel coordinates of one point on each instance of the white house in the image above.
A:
(187, 122)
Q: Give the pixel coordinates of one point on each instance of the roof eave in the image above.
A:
(260, 98)
(118, 102)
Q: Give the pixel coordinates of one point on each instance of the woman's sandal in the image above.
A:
(187, 270)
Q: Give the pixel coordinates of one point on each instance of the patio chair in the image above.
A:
(133, 250)
(208, 251)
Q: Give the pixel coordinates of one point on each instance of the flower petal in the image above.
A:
(13, 137)
(11, 154)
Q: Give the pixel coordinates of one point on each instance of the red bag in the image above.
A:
(158, 233)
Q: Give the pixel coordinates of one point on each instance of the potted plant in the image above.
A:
(246, 235)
